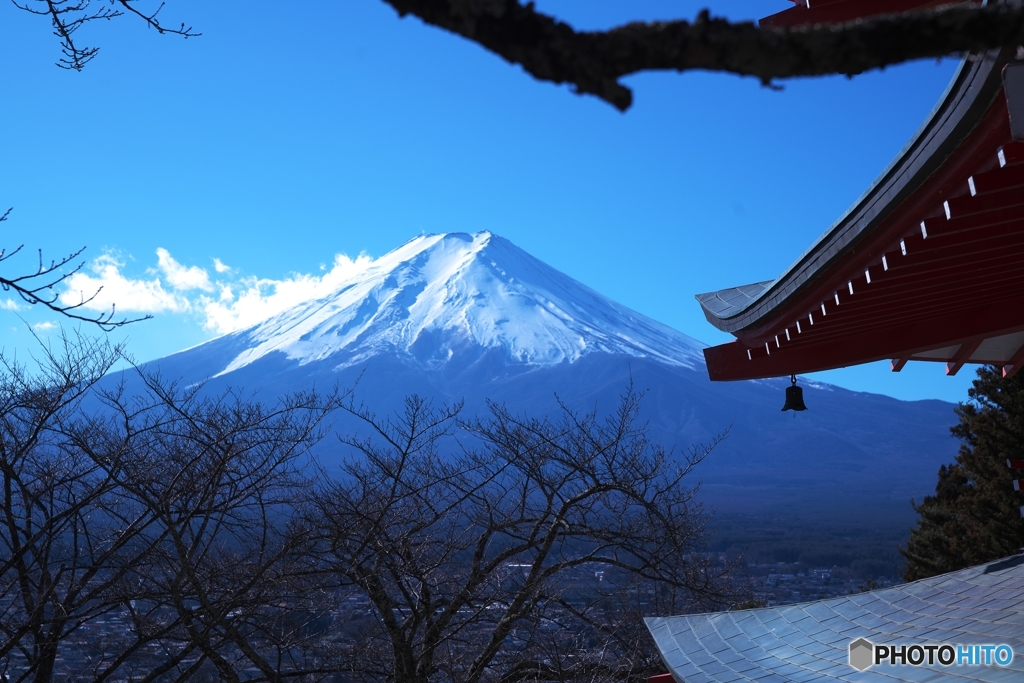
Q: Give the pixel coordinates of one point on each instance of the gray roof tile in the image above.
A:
(809, 642)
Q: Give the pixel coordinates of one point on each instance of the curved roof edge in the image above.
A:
(967, 98)
(824, 640)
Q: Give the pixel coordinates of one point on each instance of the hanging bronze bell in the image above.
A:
(794, 396)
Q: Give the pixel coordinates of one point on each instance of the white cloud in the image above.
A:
(261, 298)
(45, 326)
(10, 305)
(107, 287)
(224, 304)
(180, 277)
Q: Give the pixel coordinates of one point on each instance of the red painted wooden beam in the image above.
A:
(1015, 464)
(962, 355)
(1005, 298)
(731, 361)
(916, 304)
(1011, 154)
(993, 181)
(1012, 366)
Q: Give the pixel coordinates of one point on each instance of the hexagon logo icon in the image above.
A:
(861, 654)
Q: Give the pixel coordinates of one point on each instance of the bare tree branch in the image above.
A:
(593, 62)
(67, 16)
(38, 288)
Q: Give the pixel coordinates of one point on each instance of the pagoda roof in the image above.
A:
(812, 641)
(928, 264)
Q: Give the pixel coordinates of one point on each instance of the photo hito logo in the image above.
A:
(864, 654)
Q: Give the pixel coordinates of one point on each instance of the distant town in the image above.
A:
(94, 646)
(783, 584)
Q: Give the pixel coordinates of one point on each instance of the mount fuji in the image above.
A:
(473, 317)
(443, 299)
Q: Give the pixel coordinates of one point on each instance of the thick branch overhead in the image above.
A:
(593, 62)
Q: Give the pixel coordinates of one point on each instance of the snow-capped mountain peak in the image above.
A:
(441, 296)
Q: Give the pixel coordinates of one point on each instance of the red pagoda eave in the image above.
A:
(929, 265)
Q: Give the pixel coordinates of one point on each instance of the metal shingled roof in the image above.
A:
(728, 302)
(810, 641)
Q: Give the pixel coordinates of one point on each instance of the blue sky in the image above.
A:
(281, 139)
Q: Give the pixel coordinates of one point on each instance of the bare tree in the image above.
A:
(223, 584)
(162, 511)
(500, 549)
(201, 526)
(593, 62)
(58, 535)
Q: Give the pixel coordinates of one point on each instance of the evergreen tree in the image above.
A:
(974, 516)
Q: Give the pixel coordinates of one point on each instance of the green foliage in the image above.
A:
(974, 516)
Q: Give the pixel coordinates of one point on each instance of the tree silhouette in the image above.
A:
(974, 516)
(510, 548)
(162, 510)
(202, 527)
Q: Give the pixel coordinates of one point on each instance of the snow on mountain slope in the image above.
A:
(439, 295)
